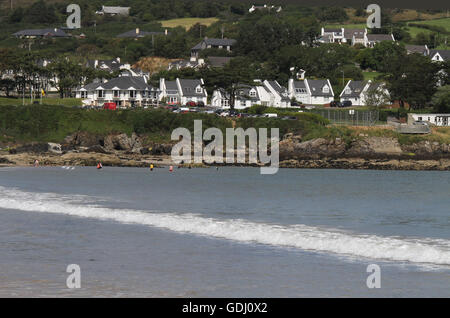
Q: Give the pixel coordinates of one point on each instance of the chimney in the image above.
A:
(137, 31)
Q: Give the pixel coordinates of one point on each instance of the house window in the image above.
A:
(199, 89)
(325, 89)
(252, 93)
(347, 91)
(132, 94)
(143, 93)
(116, 93)
(100, 93)
(83, 94)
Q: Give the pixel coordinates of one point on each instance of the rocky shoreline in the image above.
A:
(120, 150)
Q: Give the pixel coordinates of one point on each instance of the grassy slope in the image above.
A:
(445, 23)
(45, 100)
(43, 123)
(370, 75)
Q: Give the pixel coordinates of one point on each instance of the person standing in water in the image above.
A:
(99, 165)
(36, 163)
(151, 167)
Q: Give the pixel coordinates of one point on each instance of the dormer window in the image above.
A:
(132, 93)
(116, 93)
(100, 93)
(198, 90)
(325, 89)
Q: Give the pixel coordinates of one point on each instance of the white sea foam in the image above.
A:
(423, 250)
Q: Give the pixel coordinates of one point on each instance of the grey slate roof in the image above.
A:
(316, 88)
(349, 33)
(188, 87)
(299, 84)
(282, 91)
(215, 42)
(421, 49)
(243, 92)
(445, 54)
(122, 82)
(141, 34)
(356, 88)
(379, 37)
(55, 32)
(171, 85)
(326, 30)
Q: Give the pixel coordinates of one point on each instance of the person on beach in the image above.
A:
(36, 163)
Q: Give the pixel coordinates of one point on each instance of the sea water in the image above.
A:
(229, 232)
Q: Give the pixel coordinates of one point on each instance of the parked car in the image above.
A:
(346, 103)
(335, 104)
(110, 106)
(191, 104)
(296, 104)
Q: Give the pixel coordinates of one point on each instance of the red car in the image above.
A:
(111, 106)
(191, 104)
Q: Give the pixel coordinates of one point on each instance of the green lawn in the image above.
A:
(45, 100)
(187, 23)
(370, 75)
(445, 23)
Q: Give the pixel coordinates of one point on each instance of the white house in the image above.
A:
(356, 91)
(112, 11)
(210, 43)
(440, 55)
(182, 91)
(308, 91)
(435, 119)
(125, 91)
(245, 96)
(266, 93)
(279, 93)
(372, 39)
(264, 7)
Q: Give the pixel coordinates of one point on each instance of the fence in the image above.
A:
(351, 117)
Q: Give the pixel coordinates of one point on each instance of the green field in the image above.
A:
(45, 100)
(445, 23)
(187, 23)
(370, 75)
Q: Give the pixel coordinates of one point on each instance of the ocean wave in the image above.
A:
(418, 250)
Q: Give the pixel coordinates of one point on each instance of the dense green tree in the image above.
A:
(412, 78)
(441, 100)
